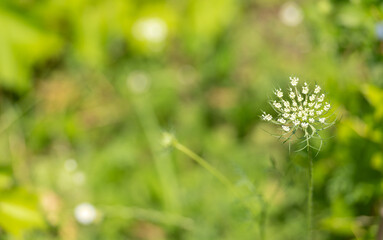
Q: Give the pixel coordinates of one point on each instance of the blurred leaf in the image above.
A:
(375, 96)
(207, 23)
(22, 45)
(5, 181)
(19, 212)
(377, 161)
(338, 225)
(351, 16)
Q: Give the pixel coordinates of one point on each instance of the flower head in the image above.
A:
(304, 110)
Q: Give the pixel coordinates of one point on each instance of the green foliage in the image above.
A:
(19, 212)
(23, 45)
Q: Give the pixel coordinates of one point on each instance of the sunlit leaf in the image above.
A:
(19, 212)
(22, 45)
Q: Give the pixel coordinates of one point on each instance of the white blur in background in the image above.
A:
(291, 14)
(70, 165)
(79, 178)
(138, 82)
(153, 30)
(85, 213)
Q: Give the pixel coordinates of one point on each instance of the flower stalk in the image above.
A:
(310, 196)
(169, 140)
(303, 114)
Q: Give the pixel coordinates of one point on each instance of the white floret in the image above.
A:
(278, 92)
(282, 120)
(294, 81)
(286, 128)
(266, 117)
(296, 122)
(305, 89)
(277, 104)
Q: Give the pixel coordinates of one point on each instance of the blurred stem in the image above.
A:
(222, 178)
(262, 220)
(310, 197)
(225, 181)
(379, 236)
(162, 161)
(16, 143)
(150, 215)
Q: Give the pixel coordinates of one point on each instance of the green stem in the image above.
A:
(149, 215)
(262, 221)
(310, 197)
(225, 181)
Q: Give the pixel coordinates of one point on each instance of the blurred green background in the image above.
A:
(87, 87)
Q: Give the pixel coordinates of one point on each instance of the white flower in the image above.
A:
(321, 98)
(85, 213)
(167, 139)
(326, 106)
(305, 88)
(279, 93)
(266, 117)
(277, 104)
(281, 120)
(294, 81)
(300, 114)
(286, 128)
(299, 109)
(311, 112)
